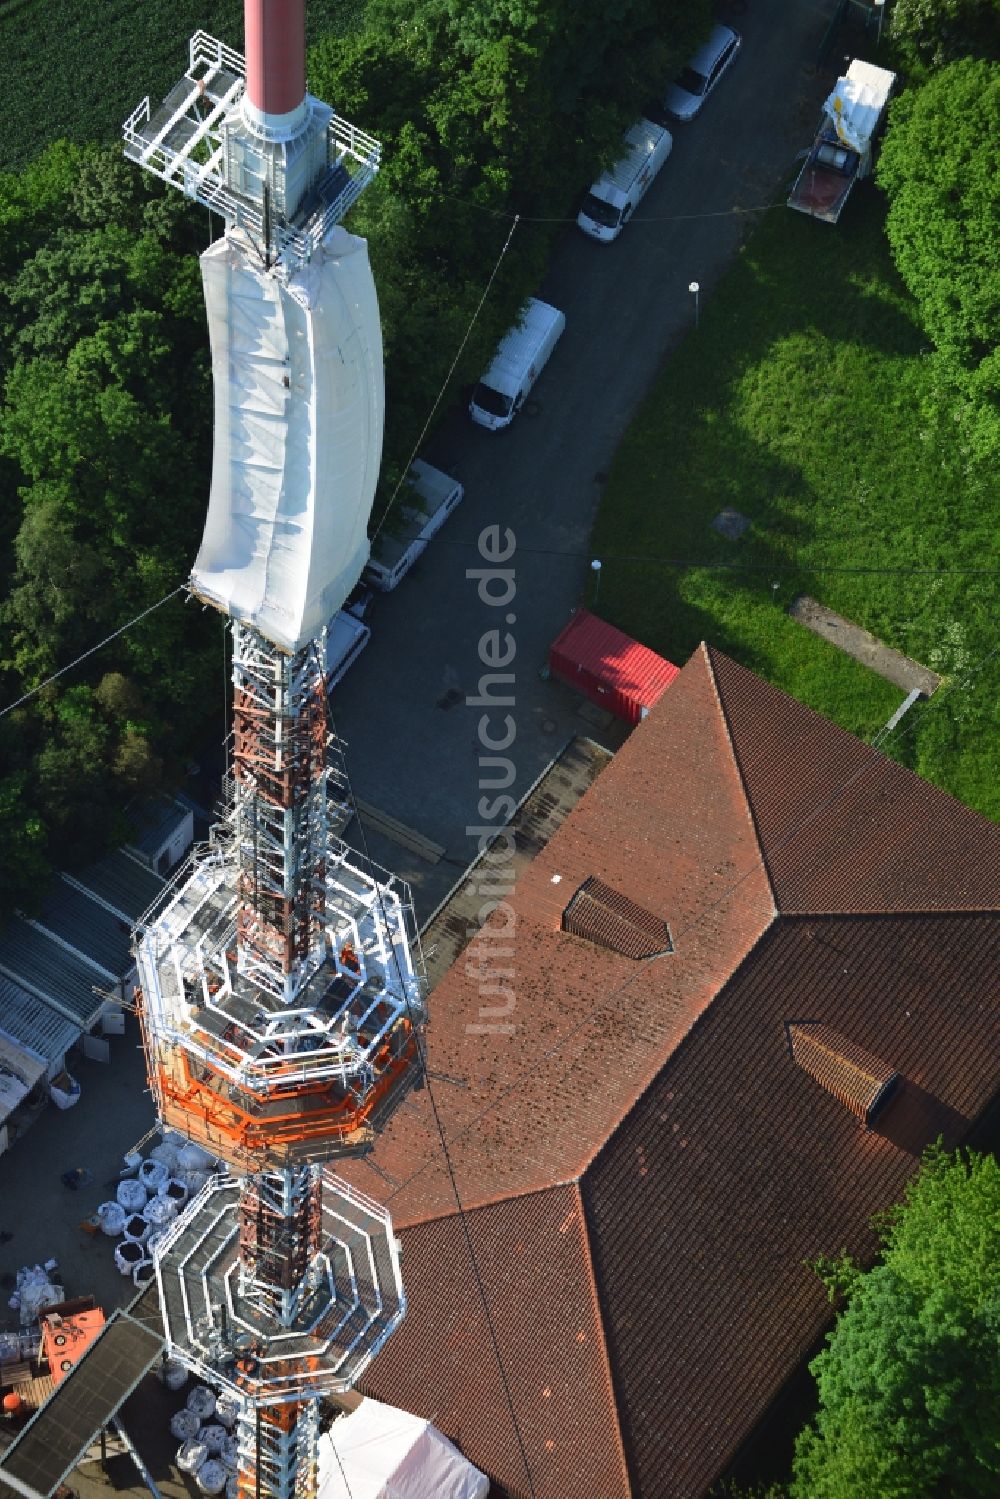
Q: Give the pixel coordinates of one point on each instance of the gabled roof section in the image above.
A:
(609, 919)
(547, 1041)
(861, 1080)
(842, 828)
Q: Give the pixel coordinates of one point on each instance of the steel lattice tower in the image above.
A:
(279, 985)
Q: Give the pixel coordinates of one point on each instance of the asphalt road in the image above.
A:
(413, 739)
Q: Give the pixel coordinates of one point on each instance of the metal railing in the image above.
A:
(345, 143)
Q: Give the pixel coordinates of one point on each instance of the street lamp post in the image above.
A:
(880, 8)
(694, 289)
(595, 568)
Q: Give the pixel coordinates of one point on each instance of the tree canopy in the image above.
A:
(909, 1383)
(940, 167)
(105, 444)
(486, 112)
(931, 33)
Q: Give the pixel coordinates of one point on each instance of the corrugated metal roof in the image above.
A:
(88, 926)
(122, 882)
(452, 925)
(43, 967)
(33, 1024)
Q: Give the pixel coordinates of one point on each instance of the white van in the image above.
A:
(434, 496)
(346, 638)
(608, 205)
(523, 354)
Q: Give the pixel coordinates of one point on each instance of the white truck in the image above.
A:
(846, 143)
(523, 353)
(609, 204)
(432, 496)
(346, 638)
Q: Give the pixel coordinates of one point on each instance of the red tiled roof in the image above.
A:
(538, 1100)
(736, 1170)
(841, 827)
(711, 1165)
(860, 1080)
(533, 1257)
(610, 919)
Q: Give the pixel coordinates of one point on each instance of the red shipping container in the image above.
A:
(609, 667)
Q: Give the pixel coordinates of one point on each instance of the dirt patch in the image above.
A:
(848, 637)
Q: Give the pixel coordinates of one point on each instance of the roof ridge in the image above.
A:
(588, 1253)
(709, 652)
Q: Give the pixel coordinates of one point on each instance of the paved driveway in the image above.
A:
(413, 741)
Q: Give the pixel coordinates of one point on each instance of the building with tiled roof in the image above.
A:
(742, 986)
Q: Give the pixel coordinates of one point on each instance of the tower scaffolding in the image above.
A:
(280, 986)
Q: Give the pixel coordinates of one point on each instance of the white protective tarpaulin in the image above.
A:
(857, 102)
(299, 404)
(385, 1453)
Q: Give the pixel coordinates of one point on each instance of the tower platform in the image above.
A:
(351, 1303)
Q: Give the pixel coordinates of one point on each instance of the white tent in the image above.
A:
(385, 1453)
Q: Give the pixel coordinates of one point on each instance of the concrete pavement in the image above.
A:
(413, 740)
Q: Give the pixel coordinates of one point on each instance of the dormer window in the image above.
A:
(609, 919)
(862, 1082)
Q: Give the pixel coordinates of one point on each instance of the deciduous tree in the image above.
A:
(909, 1383)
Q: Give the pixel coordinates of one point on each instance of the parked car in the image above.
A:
(429, 502)
(346, 638)
(688, 92)
(608, 206)
(523, 354)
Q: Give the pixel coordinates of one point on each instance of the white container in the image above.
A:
(211, 1477)
(112, 1218)
(127, 1255)
(213, 1435)
(160, 1211)
(136, 1228)
(184, 1424)
(190, 1456)
(153, 1174)
(227, 1408)
(174, 1375)
(132, 1195)
(143, 1273)
(191, 1157)
(202, 1401)
(173, 1190)
(523, 353)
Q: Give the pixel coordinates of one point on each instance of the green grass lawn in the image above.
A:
(809, 401)
(77, 68)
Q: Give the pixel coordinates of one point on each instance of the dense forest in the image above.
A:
(485, 112)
